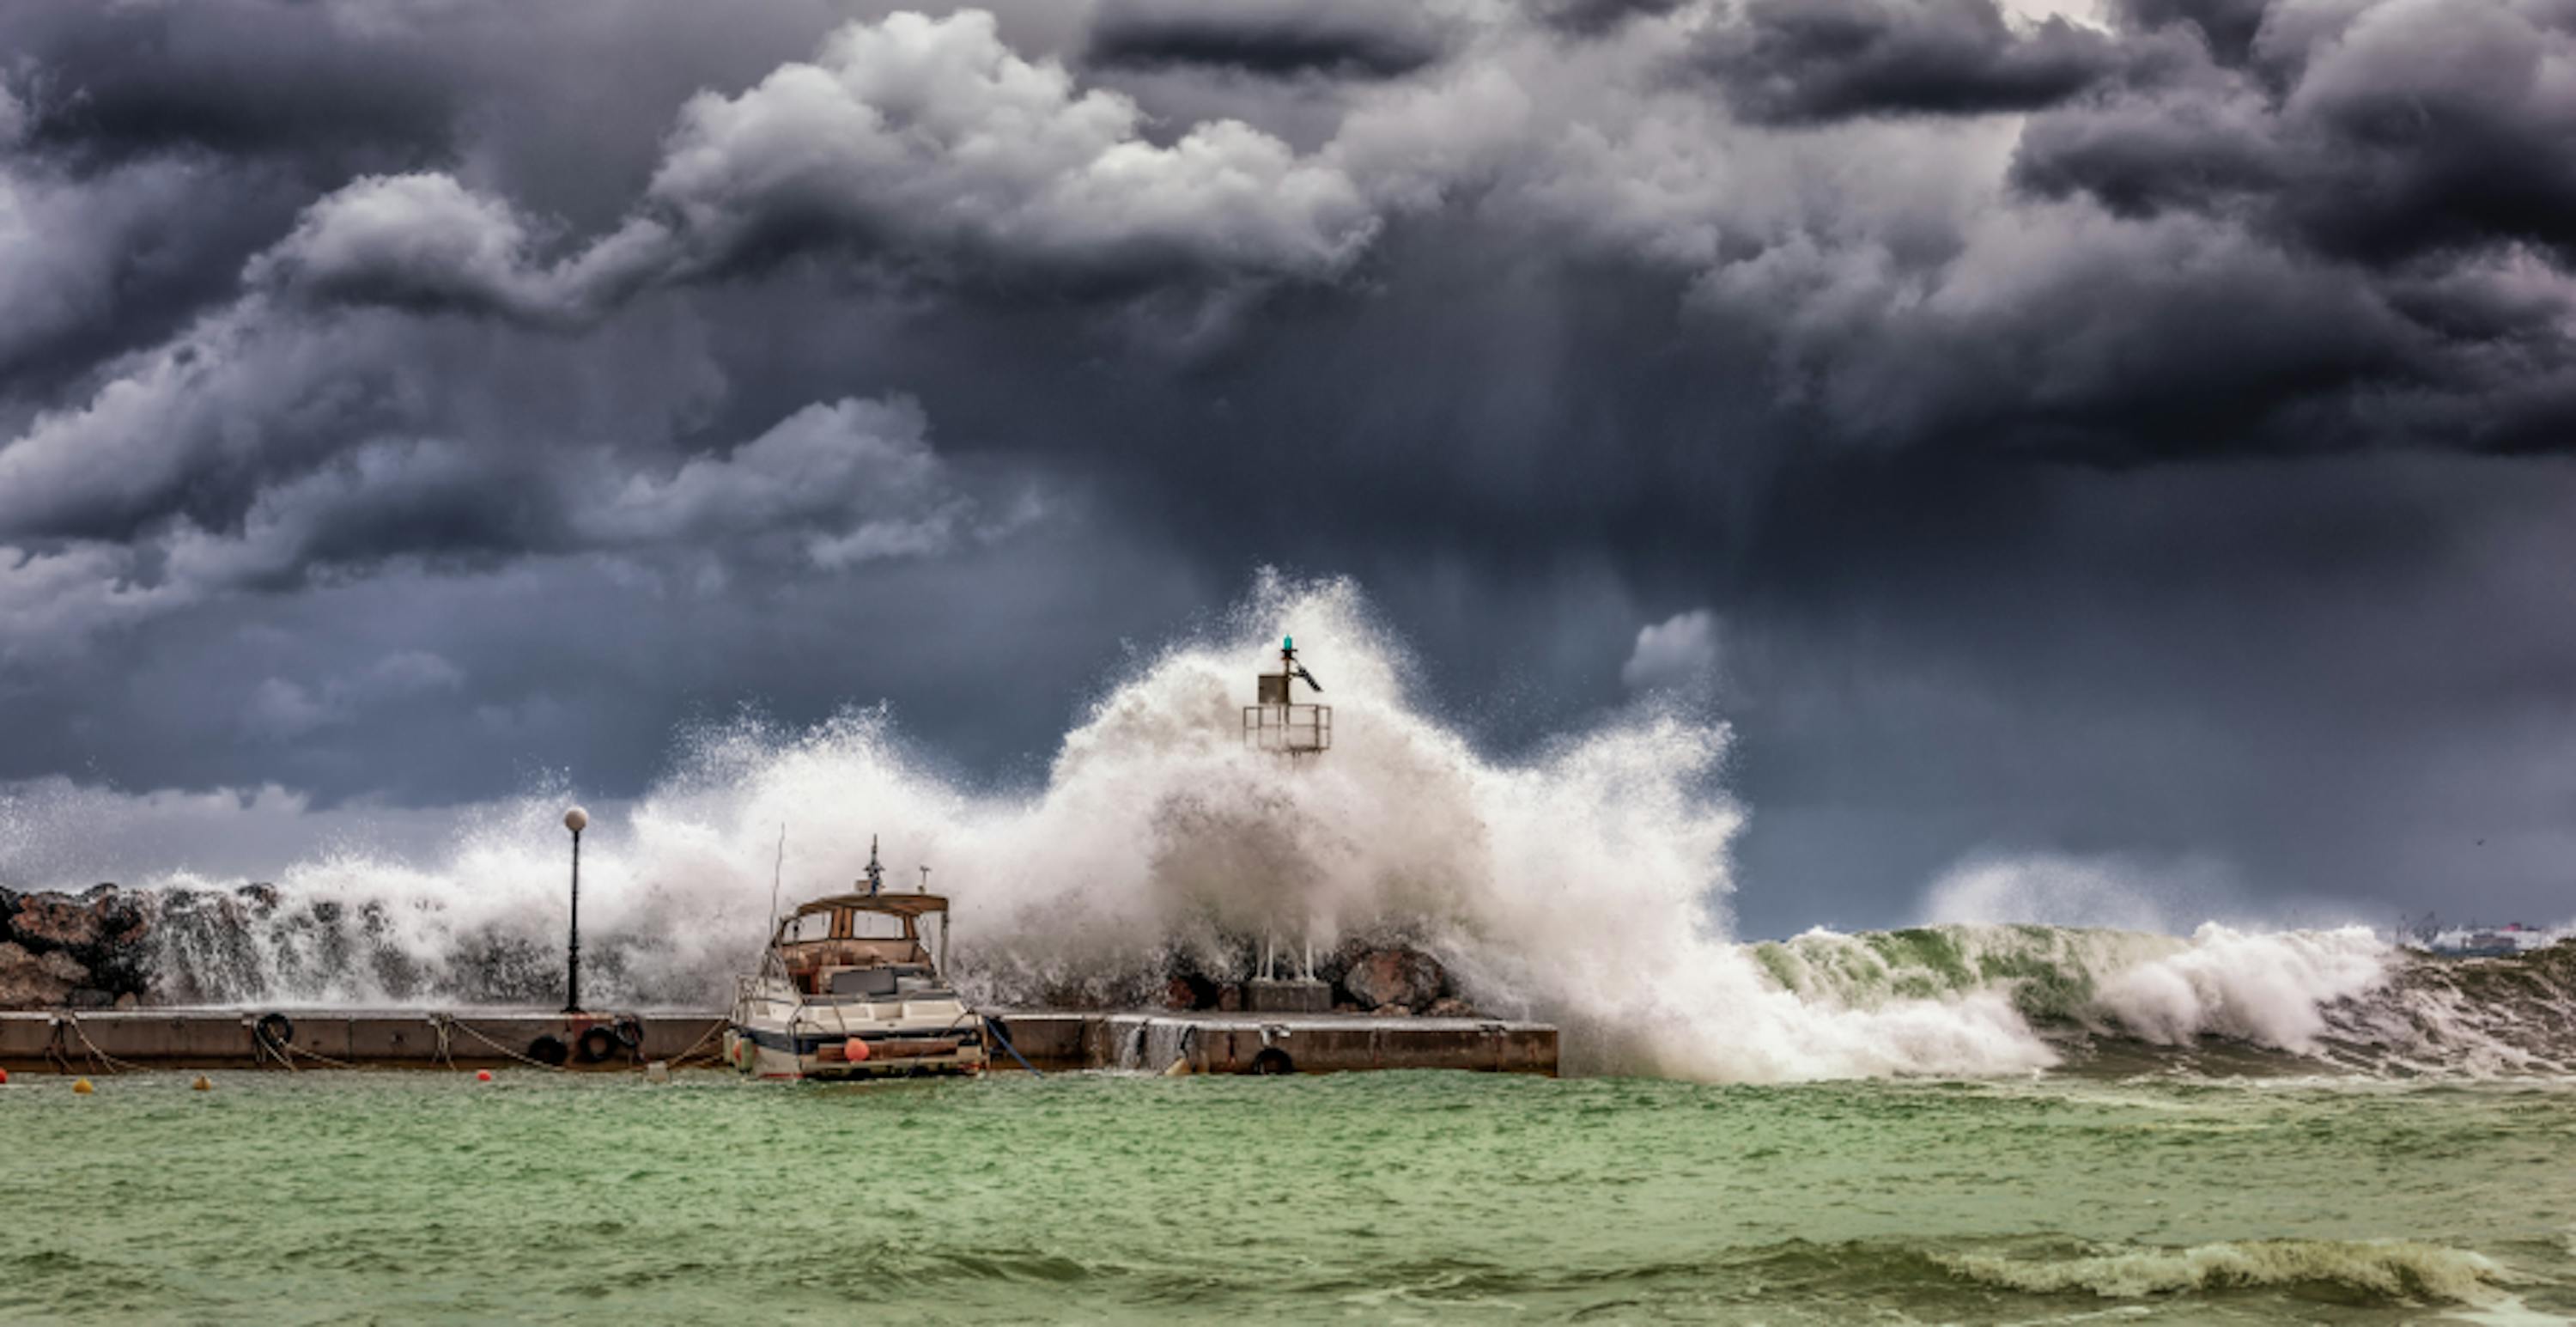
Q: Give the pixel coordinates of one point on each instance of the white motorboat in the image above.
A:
(850, 988)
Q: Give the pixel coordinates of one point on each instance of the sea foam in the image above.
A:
(2401, 1271)
(1586, 883)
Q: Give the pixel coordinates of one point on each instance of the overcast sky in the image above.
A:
(2135, 437)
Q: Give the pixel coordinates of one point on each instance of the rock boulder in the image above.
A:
(86, 949)
(37, 981)
(1399, 975)
(51, 921)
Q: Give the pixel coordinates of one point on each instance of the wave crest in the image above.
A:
(1586, 884)
(2394, 1271)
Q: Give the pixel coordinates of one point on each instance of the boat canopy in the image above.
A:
(901, 905)
(858, 930)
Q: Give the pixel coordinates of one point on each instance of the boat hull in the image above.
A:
(766, 1053)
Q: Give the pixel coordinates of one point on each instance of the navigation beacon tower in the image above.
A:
(1278, 724)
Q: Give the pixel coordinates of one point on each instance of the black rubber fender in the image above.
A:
(549, 1049)
(630, 1031)
(596, 1044)
(274, 1030)
(1272, 1060)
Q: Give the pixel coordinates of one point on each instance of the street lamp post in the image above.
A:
(575, 820)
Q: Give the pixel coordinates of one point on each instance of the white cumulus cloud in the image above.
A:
(856, 480)
(420, 241)
(925, 145)
(1677, 654)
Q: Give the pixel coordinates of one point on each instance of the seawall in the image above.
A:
(96, 1042)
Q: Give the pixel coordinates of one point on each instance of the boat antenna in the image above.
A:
(777, 869)
(876, 871)
(925, 880)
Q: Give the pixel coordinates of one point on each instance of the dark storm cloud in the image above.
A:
(341, 89)
(933, 141)
(2140, 158)
(185, 138)
(1804, 61)
(2047, 437)
(1264, 37)
(923, 147)
(1594, 18)
(420, 243)
(2227, 27)
(234, 79)
(2415, 131)
(832, 485)
(115, 261)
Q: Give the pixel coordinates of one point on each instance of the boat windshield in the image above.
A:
(860, 947)
(882, 982)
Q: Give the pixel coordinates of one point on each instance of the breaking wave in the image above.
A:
(1586, 884)
(2398, 1271)
(2343, 998)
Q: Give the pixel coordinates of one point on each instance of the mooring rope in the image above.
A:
(468, 1030)
(114, 1065)
(269, 1050)
(292, 1049)
(682, 1058)
(56, 1053)
(993, 1025)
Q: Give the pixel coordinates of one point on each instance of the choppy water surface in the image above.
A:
(1366, 1198)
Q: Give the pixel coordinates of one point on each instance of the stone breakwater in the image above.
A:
(113, 948)
(91, 950)
(108, 947)
(1363, 976)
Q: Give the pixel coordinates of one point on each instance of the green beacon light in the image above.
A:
(1287, 642)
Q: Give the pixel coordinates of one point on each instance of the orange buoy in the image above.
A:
(203, 1084)
(4, 1078)
(482, 1075)
(82, 1088)
(855, 1051)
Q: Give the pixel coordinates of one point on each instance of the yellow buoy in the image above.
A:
(82, 1088)
(203, 1084)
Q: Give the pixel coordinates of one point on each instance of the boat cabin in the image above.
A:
(865, 947)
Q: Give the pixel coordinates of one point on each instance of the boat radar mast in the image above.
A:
(1277, 722)
(876, 870)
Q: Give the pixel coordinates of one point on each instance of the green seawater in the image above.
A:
(1401, 1197)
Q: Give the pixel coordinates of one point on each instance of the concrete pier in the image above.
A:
(1052, 1040)
(1213, 1043)
(1287, 997)
(91, 1042)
